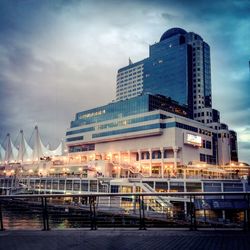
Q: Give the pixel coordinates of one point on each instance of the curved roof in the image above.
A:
(172, 32)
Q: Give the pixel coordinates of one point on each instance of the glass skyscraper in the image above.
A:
(178, 67)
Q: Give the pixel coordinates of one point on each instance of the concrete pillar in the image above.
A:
(119, 157)
(129, 157)
(103, 156)
(175, 149)
(139, 158)
(185, 203)
(162, 163)
(223, 211)
(119, 165)
(150, 162)
(133, 198)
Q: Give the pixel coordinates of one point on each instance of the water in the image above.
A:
(26, 219)
(16, 217)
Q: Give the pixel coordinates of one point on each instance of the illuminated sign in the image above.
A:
(91, 114)
(194, 140)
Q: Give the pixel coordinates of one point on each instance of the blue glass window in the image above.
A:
(77, 138)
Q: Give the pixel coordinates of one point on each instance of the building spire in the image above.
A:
(130, 61)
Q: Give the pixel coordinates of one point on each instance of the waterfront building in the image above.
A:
(162, 116)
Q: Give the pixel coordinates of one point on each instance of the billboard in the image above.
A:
(193, 139)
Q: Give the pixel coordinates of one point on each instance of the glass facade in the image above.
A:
(115, 110)
(121, 109)
(177, 67)
(129, 130)
(166, 71)
(207, 75)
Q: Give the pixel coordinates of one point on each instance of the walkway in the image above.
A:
(123, 239)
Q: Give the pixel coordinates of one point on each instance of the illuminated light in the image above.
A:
(80, 169)
(52, 170)
(204, 165)
(30, 171)
(194, 139)
(232, 164)
(12, 171)
(21, 171)
(241, 164)
(28, 159)
(4, 171)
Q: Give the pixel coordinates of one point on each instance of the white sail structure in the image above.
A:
(58, 151)
(25, 152)
(39, 150)
(2, 154)
(10, 152)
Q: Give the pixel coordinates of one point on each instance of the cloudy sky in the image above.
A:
(58, 57)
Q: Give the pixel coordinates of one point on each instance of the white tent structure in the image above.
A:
(40, 150)
(10, 151)
(2, 154)
(24, 154)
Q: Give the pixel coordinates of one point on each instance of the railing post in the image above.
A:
(248, 212)
(191, 214)
(142, 213)
(194, 211)
(1, 217)
(92, 213)
(246, 216)
(45, 214)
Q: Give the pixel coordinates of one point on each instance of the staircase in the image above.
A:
(156, 203)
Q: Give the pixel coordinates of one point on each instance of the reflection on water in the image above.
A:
(26, 219)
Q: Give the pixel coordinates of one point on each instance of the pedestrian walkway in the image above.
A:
(124, 239)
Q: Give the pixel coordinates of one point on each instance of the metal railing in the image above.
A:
(136, 210)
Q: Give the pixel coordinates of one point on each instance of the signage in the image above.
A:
(194, 140)
(221, 204)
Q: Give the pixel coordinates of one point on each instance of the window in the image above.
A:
(202, 157)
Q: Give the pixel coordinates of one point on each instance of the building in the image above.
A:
(163, 116)
(178, 66)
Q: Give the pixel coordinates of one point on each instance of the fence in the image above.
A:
(125, 210)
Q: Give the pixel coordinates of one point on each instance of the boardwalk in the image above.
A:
(123, 239)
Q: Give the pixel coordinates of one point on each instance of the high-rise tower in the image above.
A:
(178, 66)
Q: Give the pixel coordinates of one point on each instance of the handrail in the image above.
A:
(123, 194)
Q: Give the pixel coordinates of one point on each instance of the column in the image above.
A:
(175, 149)
(162, 163)
(119, 165)
(103, 156)
(150, 162)
(119, 158)
(139, 158)
(223, 211)
(129, 157)
(185, 203)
